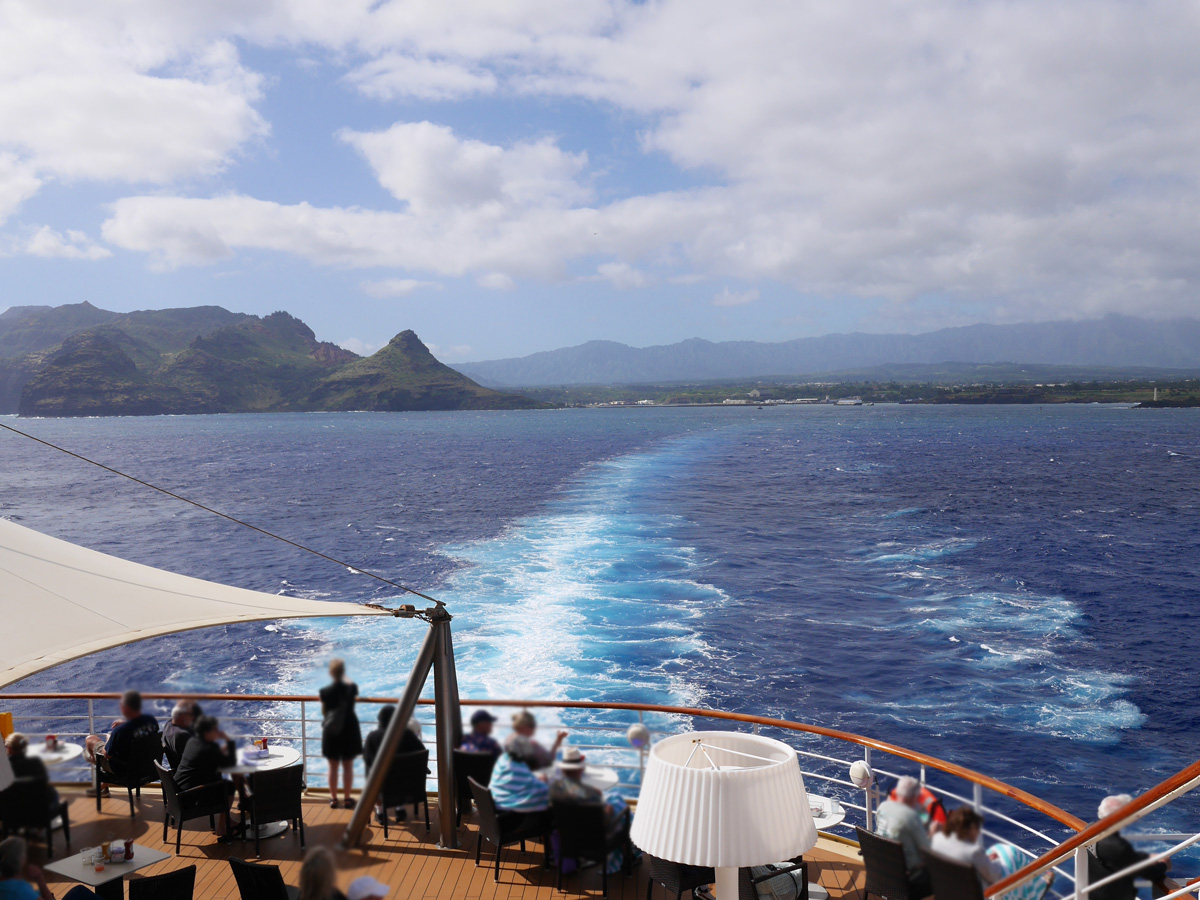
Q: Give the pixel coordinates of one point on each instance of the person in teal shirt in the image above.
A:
(21, 881)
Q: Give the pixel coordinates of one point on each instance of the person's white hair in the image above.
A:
(182, 709)
(1110, 805)
(907, 789)
(13, 856)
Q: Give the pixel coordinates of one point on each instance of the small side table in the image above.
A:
(109, 884)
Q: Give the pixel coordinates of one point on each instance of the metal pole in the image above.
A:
(1081, 873)
(448, 728)
(405, 708)
(869, 816)
(304, 741)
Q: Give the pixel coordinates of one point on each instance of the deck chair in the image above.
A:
(503, 829)
(470, 764)
(405, 783)
(207, 801)
(134, 772)
(677, 877)
(23, 804)
(278, 795)
(886, 869)
(951, 878)
(177, 885)
(260, 882)
(583, 836)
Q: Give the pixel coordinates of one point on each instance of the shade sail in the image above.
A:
(60, 601)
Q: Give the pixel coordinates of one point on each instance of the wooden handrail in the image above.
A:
(992, 784)
(1101, 829)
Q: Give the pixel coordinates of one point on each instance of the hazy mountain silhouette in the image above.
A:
(1114, 342)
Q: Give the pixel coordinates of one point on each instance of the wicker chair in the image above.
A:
(405, 783)
(887, 872)
(132, 773)
(583, 836)
(177, 885)
(24, 804)
(260, 882)
(470, 764)
(753, 882)
(207, 801)
(677, 877)
(503, 829)
(277, 795)
(951, 878)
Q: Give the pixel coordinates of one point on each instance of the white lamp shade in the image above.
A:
(717, 798)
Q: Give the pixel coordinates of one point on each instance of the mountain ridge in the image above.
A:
(1111, 342)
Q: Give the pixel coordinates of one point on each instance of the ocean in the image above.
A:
(1008, 588)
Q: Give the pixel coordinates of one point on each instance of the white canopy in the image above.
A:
(60, 601)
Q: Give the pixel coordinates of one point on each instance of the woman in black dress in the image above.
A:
(341, 738)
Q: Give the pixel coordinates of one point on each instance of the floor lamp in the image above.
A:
(725, 800)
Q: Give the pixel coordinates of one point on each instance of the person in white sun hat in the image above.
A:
(367, 888)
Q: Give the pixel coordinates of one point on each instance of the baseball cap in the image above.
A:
(365, 888)
(482, 715)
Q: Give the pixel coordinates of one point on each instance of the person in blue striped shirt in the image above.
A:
(514, 786)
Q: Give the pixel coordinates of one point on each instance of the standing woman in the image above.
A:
(341, 738)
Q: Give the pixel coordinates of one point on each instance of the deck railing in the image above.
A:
(1038, 829)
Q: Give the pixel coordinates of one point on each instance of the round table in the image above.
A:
(63, 754)
(601, 778)
(832, 812)
(277, 758)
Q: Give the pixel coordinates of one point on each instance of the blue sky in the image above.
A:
(519, 177)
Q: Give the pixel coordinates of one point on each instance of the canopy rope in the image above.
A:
(217, 512)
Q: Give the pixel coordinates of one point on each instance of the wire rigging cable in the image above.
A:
(217, 512)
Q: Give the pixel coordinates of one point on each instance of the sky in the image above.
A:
(511, 177)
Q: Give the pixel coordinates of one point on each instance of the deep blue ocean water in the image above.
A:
(1009, 588)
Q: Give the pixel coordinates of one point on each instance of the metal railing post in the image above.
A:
(1081, 872)
(977, 799)
(304, 740)
(641, 754)
(867, 792)
(91, 716)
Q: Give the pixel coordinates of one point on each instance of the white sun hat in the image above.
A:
(367, 888)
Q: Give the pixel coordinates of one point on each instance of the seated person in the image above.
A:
(1114, 853)
(115, 745)
(480, 739)
(318, 876)
(568, 787)
(524, 726)
(514, 787)
(410, 742)
(21, 881)
(179, 731)
(204, 756)
(899, 820)
(24, 766)
(958, 840)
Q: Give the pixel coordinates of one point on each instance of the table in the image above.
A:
(277, 758)
(833, 813)
(601, 778)
(65, 753)
(110, 883)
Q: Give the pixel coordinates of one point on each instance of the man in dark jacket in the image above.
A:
(203, 758)
(180, 730)
(1114, 854)
(116, 744)
(409, 743)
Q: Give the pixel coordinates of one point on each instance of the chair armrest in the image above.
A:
(776, 871)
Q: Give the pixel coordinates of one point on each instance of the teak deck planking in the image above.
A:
(410, 861)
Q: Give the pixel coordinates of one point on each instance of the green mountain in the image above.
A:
(404, 375)
(208, 360)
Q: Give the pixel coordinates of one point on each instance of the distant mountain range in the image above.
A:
(1111, 343)
(78, 360)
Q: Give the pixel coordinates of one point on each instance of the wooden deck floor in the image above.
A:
(410, 861)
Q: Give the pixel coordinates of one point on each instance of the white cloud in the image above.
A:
(496, 281)
(393, 76)
(18, 182)
(455, 353)
(46, 242)
(735, 298)
(396, 287)
(623, 276)
(362, 348)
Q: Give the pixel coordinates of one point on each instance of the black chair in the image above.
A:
(886, 869)
(24, 804)
(177, 885)
(951, 878)
(793, 881)
(277, 795)
(134, 771)
(505, 828)
(405, 783)
(677, 877)
(584, 837)
(470, 764)
(209, 800)
(260, 882)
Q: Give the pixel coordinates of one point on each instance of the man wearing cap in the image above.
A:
(480, 739)
(367, 888)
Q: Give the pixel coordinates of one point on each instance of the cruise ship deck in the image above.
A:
(410, 861)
